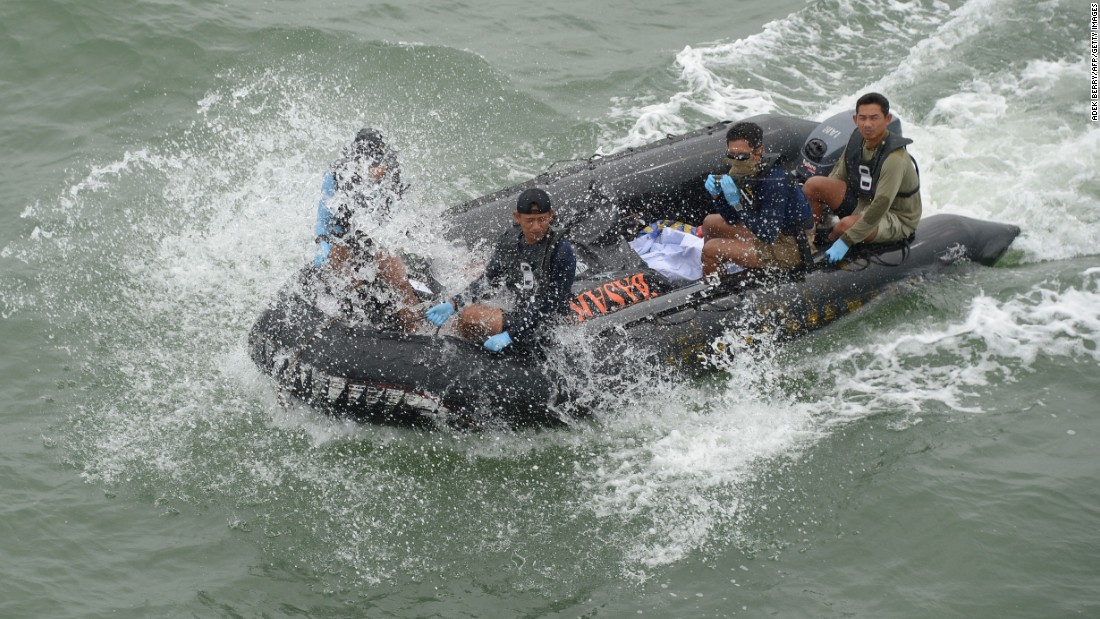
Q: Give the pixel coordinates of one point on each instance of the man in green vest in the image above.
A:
(874, 188)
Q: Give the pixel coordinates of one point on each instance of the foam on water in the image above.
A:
(168, 252)
(1000, 125)
(1007, 140)
(916, 369)
(1005, 136)
(992, 153)
(160, 260)
(796, 65)
(672, 466)
(678, 459)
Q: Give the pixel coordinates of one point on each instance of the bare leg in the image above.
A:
(736, 244)
(715, 227)
(821, 192)
(842, 226)
(477, 322)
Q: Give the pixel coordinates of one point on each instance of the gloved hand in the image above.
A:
(323, 249)
(498, 341)
(837, 251)
(729, 190)
(711, 185)
(438, 314)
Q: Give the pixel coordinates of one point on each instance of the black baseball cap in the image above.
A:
(533, 201)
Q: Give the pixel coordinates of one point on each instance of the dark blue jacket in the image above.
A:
(770, 204)
(539, 277)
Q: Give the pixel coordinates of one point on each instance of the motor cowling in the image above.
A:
(823, 147)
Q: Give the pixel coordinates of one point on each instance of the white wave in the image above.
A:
(670, 453)
(234, 203)
(800, 64)
(674, 463)
(947, 368)
(1006, 140)
(671, 466)
(1005, 137)
(989, 151)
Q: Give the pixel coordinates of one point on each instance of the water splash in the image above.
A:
(155, 265)
(797, 65)
(999, 125)
(926, 367)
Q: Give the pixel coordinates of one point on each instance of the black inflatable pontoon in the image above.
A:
(621, 306)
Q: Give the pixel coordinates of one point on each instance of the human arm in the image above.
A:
(438, 314)
(840, 170)
(485, 282)
(321, 229)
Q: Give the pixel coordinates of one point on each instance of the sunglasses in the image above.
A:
(739, 156)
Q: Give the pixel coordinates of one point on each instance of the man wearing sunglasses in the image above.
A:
(874, 188)
(535, 264)
(759, 217)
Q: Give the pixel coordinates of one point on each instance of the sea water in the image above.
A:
(933, 455)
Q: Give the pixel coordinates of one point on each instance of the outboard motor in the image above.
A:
(823, 146)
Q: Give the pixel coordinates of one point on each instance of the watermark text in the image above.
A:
(1094, 65)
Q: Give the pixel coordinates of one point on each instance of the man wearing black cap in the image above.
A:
(534, 263)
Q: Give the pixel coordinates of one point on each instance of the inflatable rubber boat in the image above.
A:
(623, 310)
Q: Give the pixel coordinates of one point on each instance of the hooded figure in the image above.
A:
(370, 284)
(365, 179)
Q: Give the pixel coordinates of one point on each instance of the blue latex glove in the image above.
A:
(729, 190)
(710, 185)
(439, 314)
(837, 251)
(498, 341)
(323, 249)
